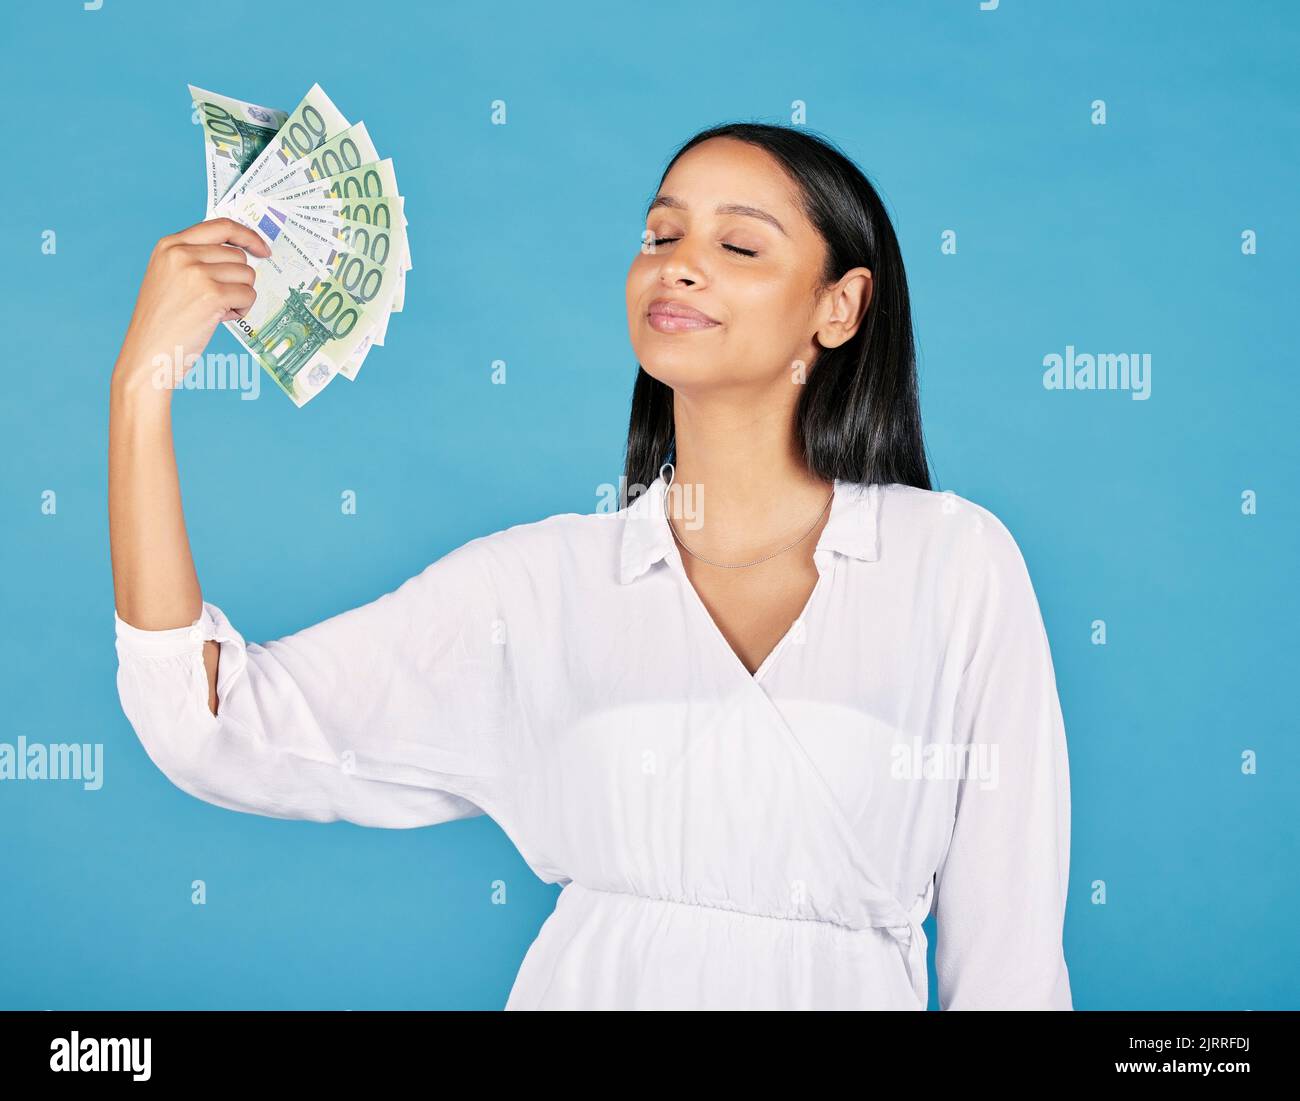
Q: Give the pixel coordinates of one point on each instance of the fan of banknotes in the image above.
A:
(314, 187)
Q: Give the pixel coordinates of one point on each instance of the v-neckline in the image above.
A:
(823, 567)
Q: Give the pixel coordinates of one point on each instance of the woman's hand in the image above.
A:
(195, 280)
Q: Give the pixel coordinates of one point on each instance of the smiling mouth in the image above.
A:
(676, 319)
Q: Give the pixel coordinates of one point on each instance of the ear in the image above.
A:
(844, 306)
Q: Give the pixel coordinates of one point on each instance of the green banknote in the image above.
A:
(378, 226)
(338, 218)
(376, 231)
(368, 181)
(310, 125)
(364, 256)
(368, 268)
(234, 133)
(316, 189)
(347, 149)
(364, 181)
(362, 261)
(302, 329)
(358, 256)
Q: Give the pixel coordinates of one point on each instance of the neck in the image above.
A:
(740, 486)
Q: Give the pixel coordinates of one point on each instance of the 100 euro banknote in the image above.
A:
(234, 133)
(315, 188)
(303, 328)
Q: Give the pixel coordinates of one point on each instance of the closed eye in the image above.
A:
(734, 248)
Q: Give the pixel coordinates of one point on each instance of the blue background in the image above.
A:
(1123, 237)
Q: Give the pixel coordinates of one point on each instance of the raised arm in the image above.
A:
(195, 279)
(397, 713)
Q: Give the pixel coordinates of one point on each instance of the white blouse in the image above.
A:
(725, 840)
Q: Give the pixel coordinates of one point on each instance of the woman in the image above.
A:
(758, 728)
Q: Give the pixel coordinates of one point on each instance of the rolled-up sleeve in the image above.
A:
(393, 714)
(1002, 885)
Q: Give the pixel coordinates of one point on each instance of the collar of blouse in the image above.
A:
(852, 529)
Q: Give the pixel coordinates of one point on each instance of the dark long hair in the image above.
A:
(858, 417)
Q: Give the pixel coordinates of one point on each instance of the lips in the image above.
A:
(670, 316)
(672, 308)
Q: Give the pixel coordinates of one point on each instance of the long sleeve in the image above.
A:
(392, 714)
(1002, 885)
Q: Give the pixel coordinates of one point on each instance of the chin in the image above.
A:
(682, 372)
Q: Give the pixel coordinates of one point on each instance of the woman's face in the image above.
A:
(726, 238)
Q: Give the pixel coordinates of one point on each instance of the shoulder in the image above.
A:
(966, 536)
(968, 553)
(547, 549)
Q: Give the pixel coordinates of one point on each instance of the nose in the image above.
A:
(679, 265)
(680, 269)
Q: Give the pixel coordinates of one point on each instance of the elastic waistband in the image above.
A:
(902, 925)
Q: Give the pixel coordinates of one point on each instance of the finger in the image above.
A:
(216, 254)
(222, 231)
(237, 296)
(230, 273)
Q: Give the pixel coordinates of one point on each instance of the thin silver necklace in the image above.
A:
(735, 565)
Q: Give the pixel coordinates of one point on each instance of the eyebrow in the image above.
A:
(724, 208)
